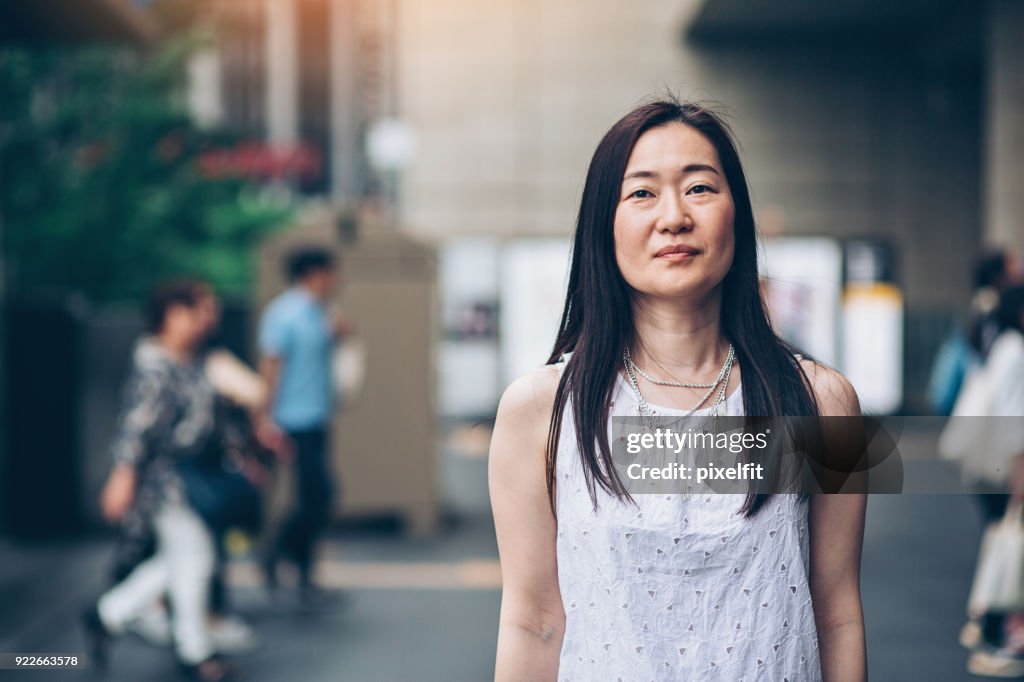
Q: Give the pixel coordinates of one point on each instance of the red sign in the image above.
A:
(265, 162)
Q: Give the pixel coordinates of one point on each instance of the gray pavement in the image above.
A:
(424, 610)
(403, 631)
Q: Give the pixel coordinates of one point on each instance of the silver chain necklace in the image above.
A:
(722, 382)
(627, 359)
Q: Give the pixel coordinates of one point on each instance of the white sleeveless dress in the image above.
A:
(680, 588)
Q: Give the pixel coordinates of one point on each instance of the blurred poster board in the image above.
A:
(468, 353)
(533, 277)
(873, 345)
(873, 326)
(801, 280)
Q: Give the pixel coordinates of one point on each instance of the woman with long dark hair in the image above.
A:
(663, 317)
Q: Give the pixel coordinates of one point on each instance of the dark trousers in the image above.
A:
(992, 503)
(313, 496)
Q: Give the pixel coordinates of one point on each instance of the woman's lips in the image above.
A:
(677, 252)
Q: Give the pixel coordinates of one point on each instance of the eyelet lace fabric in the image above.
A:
(678, 588)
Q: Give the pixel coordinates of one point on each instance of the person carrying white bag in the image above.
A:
(986, 436)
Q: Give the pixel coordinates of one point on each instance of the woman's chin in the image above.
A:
(686, 287)
(688, 292)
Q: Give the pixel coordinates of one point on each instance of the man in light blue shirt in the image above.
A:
(296, 340)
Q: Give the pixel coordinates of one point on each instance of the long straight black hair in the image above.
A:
(597, 320)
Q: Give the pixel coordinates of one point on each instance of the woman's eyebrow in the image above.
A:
(691, 168)
(694, 167)
(640, 174)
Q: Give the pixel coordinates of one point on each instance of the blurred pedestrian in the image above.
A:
(296, 339)
(240, 393)
(168, 420)
(239, 390)
(966, 348)
(986, 434)
(996, 271)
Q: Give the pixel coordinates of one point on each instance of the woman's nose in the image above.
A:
(674, 217)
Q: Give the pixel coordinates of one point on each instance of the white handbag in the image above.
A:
(999, 579)
(349, 369)
(966, 431)
(986, 430)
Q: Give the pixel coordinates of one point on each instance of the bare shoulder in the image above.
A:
(531, 396)
(521, 428)
(518, 453)
(834, 392)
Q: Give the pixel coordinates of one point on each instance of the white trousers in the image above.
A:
(181, 568)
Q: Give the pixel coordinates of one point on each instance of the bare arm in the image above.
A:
(836, 540)
(532, 619)
(270, 371)
(269, 433)
(235, 380)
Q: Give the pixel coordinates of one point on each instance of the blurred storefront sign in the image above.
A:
(264, 161)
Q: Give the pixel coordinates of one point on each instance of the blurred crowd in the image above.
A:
(199, 438)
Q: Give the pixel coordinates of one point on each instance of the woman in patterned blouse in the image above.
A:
(169, 414)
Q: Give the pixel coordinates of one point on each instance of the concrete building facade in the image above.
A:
(894, 121)
(1004, 124)
(844, 139)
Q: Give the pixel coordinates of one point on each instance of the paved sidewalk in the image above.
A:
(420, 610)
(426, 609)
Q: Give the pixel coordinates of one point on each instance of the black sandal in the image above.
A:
(97, 637)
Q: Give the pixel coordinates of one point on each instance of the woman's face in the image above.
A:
(194, 323)
(208, 314)
(674, 220)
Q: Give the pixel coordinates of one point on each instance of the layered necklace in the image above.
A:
(720, 384)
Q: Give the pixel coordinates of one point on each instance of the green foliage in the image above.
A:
(101, 189)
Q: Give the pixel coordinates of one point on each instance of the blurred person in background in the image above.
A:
(965, 349)
(990, 414)
(240, 391)
(995, 272)
(168, 418)
(296, 339)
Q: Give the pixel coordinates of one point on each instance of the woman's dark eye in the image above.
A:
(641, 194)
(699, 189)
